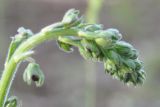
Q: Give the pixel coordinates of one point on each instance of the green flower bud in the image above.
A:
(93, 27)
(23, 34)
(135, 78)
(33, 73)
(115, 34)
(104, 42)
(125, 73)
(130, 63)
(138, 64)
(65, 47)
(91, 49)
(134, 54)
(87, 54)
(112, 55)
(90, 46)
(126, 50)
(108, 39)
(22, 30)
(11, 102)
(141, 76)
(70, 17)
(110, 67)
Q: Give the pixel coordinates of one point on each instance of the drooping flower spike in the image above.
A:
(119, 57)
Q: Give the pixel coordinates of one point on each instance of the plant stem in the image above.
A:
(32, 42)
(94, 7)
(92, 16)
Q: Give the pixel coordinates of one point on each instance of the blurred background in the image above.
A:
(72, 81)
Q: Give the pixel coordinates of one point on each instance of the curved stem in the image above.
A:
(32, 42)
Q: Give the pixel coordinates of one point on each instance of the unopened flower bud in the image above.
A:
(23, 34)
(33, 73)
(71, 16)
(130, 63)
(138, 64)
(110, 67)
(126, 50)
(115, 57)
(107, 39)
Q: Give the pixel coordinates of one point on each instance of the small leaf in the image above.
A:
(126, 50)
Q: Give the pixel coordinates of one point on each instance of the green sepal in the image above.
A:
(90, 45)
(90, 50)
(64, 46)
(52, 27)
(138, 64)
(86, 54)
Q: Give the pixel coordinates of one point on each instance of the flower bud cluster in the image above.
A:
(119, 57)
(122, 63)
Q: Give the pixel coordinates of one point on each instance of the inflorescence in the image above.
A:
(93, 42)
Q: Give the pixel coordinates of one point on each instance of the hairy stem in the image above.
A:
(32, 42)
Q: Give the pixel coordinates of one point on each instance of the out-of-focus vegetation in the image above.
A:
(137, 20)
